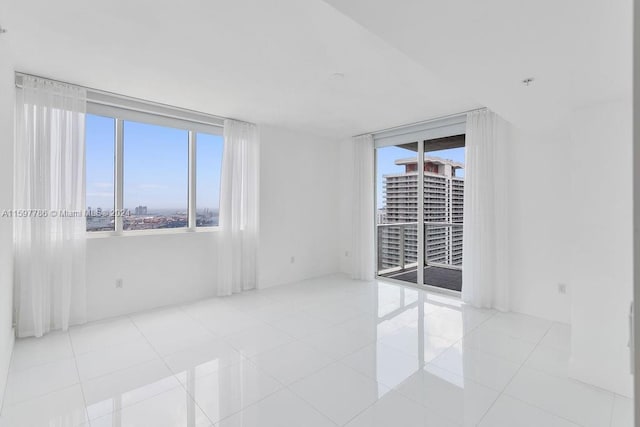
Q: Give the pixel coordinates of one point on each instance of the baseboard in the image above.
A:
(5, 361)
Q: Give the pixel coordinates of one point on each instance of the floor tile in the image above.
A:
(559, 336)
(335, 313)
(228, 390)
(30, 352)
(258, 340)
(224, 321)
(410, 341)
(393, 409)
(62, 408)
(368, 326)
(39, 380)
(126, 387)
(337, 342)
(249, 301)
(169, 409)
(448, 395)
(408, 316)
(519, 326)
(99, 335)
(477, 366)
(382, 363)
(622, 412)
(566, 398)
(510, 412)
(292, 361)
(274, 311)
(499, 344)
(453, 324)
(321, 352)
(171, 340)
(205, 357)
(339, 392)
(281, 409)
(161, 318)
(551, 360)
(300, 324)
(101, 362)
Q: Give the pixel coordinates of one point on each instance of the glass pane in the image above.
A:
(99, 156)
(397, 211)
(208, 167)
(155, 176)
(443, 213)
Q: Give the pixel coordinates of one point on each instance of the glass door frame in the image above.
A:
(419, 132)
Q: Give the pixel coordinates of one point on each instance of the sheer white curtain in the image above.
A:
(363, 208)
(49, 222)
(485, 242)
(239, 209)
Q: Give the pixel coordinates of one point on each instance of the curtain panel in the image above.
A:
(363, 250)
(485, 241)
(49, 221)
(239, 209)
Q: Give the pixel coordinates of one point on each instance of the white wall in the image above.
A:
(540, 213)
(6, 194)
(299, 214)
(156, 270)
(345, 204)
(601, 262)
(298, 219)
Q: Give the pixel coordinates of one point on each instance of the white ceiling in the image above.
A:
(578, 51)
(271, 61)
(257, 60)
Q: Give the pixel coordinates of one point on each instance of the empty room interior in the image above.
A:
(317, 213)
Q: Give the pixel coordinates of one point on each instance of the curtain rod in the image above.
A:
(421, 122)
(120, 96)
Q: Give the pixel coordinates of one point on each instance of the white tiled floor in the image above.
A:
(325, 352)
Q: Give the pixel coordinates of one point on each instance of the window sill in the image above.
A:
(156, 232)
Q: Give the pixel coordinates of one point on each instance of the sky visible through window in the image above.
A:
(386, 157)
(100, 137)
(155, 166)
(156, 161)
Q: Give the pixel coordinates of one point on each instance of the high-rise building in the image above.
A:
(141, 210)
(443, 204)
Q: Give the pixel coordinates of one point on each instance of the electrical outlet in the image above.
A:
(562, 288)
(293, 259)
(119, 283)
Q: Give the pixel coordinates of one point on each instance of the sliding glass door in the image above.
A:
(419, 206)
(397, 212)
(443, 214)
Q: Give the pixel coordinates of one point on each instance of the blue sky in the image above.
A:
(386, 157)
(155, 166)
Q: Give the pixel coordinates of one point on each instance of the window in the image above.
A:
(208, 168)
(156, 174)
(99, 153)
(138, 169)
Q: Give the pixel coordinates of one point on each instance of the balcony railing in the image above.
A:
(397, 246)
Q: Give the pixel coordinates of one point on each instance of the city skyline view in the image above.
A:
(155, 175)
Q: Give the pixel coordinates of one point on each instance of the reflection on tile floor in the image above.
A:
(324, 352)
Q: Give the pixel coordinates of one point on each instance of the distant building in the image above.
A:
(443, 203)
(141, 210)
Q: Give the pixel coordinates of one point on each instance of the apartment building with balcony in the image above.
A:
(443, 204)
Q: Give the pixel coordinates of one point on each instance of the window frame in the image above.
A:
(160, 115)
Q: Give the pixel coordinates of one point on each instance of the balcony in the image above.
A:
(397, 253)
